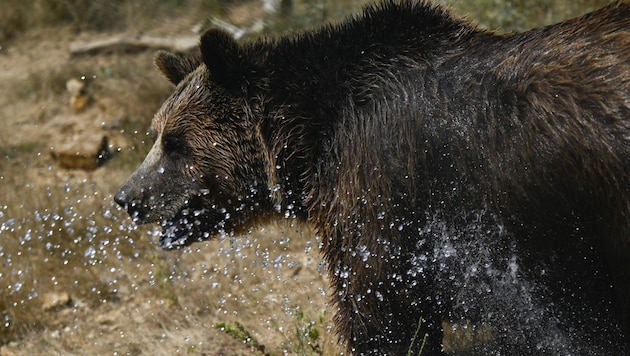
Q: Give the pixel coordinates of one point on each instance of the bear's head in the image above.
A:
(206, 170)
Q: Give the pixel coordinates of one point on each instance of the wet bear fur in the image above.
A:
(453, 174)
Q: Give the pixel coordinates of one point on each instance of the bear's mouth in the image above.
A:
(192, 223)
(181, 230)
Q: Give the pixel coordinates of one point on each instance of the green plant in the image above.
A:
(415, 338)
(306, 333)
(305, 341)
(241, 334)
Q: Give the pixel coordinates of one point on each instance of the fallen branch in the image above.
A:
(130, 43)
(176, 44)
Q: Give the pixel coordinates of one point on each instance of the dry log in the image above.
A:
(130, 43)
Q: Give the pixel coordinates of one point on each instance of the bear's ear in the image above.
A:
(175, 67)
(225, 59)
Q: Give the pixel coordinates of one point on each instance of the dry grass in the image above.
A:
(521, 15)
(19, 16)
(129, 296)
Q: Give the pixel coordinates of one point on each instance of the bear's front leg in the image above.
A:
(380, 314)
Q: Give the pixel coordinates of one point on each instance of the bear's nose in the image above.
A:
(121, 197)
(132, 201)
(124, 199)
(133, 206)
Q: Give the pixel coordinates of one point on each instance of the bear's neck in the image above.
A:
(315, 77)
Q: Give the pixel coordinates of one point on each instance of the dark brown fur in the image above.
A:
(452, 173)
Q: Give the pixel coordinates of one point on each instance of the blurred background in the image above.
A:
(77, 93)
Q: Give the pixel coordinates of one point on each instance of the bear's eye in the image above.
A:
(173, 144)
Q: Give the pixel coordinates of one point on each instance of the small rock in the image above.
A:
(82, 153)
(4, 351)
(79, 97)
(107, 319)
(53, 300)
(111, 321)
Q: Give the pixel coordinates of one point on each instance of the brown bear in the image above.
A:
(452, 173)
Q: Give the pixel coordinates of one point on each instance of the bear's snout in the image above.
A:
(124, 198)
(136, 202)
